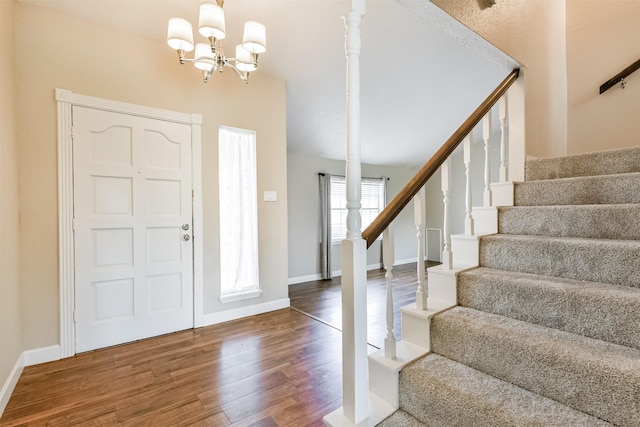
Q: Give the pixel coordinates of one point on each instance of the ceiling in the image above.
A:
(422, 73)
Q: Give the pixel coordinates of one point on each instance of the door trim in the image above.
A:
(65, 100)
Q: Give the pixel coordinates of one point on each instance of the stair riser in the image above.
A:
(605, 312)
(602, 261)
(600, 163)
(603, 385)
(612, 189)
(439, 392)
(592, 221)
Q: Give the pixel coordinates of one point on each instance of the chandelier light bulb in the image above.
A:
(244, 61)
(180, 34)
(204, 59)
(255, 37)
(211, 21)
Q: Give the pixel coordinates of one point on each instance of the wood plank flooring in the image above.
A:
(322, 299)
(272, 370)
(276, 369)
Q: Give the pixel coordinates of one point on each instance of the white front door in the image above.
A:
(132, 227)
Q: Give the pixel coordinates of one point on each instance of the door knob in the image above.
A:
(186, 237)
(185, 227)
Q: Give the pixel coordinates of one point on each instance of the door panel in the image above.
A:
(132, 195)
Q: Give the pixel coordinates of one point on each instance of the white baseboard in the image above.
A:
(42, 355)
(239, 313)
(303, 279)
(370, 267)
(27, 358)
(10, 383)
(336, 273)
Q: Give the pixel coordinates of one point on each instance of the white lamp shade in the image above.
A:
(204, 59)
(211, 22)
(243, 60)
(255, 37)
(180, 34)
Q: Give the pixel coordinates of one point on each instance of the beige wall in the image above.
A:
(533, 33)
(603, 38)
(304, 212)
(10, 301)
(58, 51)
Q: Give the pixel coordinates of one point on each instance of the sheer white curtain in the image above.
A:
(238, 211)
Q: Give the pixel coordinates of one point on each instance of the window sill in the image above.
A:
(239, 296)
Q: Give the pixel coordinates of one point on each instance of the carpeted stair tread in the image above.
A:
(589, 190)
(597, 260)
(401, 419)
(596, 310)
(599, 163)
(587, 221)
(592, 376)
(442, 392)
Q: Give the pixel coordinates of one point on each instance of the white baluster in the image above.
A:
(486, 136)
(388, 258)
(419, 218)
(504, 172)
(447, 258)
(517, 132)
(468, 221)
(355, 391)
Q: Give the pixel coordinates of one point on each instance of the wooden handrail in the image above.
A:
(384, 219)
(619, 77)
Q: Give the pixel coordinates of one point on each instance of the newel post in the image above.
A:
(355, 387)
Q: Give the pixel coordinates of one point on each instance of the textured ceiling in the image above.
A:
(422, 73)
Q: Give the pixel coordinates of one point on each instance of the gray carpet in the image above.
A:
(596, 260)
(593, 376)
(548, 328)
(401, 419)
(587, 164)
(589, 190)
(587, 221)
(596, 310)
(441, 392)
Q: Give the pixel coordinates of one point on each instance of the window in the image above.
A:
(238, 214)
(372, 201)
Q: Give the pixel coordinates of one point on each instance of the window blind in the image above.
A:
(372, 201)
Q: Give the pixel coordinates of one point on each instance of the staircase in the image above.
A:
(547, 330)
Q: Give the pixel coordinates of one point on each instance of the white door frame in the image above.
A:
(65, 100)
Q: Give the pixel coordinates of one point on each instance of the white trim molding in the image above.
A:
(10, 384)
(26, 358)
(303, 279)
(239, 296)
(239, 313)
(65, 100)
(41, 355)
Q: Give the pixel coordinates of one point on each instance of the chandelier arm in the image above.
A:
(244, 76)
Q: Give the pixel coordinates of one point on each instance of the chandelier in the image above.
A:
(210, 57)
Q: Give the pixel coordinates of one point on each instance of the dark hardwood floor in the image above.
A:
(276, 369)
(322, 299)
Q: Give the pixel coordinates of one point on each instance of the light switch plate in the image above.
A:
(270, 196)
